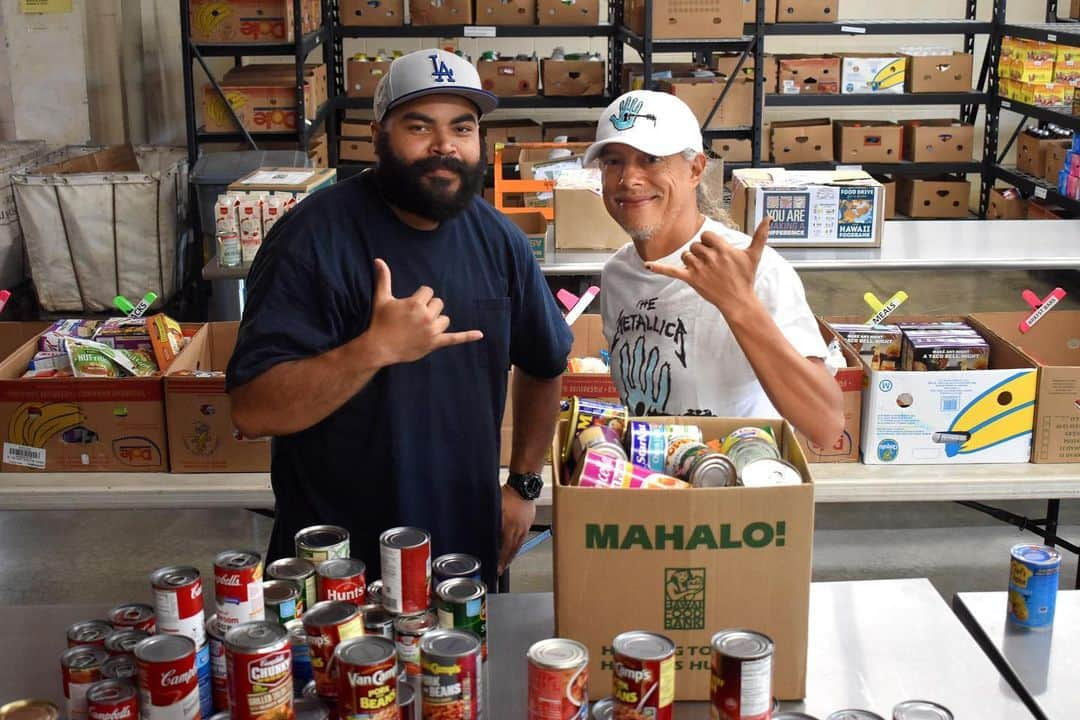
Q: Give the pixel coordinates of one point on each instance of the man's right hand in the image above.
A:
(407, 329)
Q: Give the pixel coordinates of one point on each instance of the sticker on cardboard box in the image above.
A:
(486, 31)
(24, 456)
(274, 177)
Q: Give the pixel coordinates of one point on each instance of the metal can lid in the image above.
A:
(921, 710)
(339, 568)
(770, 472)
(642, 645)
(1039, 555)
(377, 616)
(223, 715)
(311, 690)
(321, 536)
(297, 633)
(365, 650)
(130, 614)
(742, 644)
(329, 612)
(290, 568)
(174, 576)
(84, 657)
(120, 667)
(374, 591)
(460, 590)
(456, 565)
(29, 710)
(713, 470)
(237, 559)
(603, 709)
(257, 635)
(111, 691)
(406, 695)
(276, 592)
(124, 641)
(417, 624)
(164, 648)
(558, 654)
(854, 714)
(89, 632)
(213, 629)
(449, 643)
(792, 715)
(307, 708)
(404, 537)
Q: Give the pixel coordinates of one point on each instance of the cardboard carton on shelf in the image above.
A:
(846, 447)
(725, 63)
(867, 141)
(583, 223)
(505, 12)
(939, 73)
(572, 130)
(872, 74)
(509, 132)
(938, 140)
(888, 185)
(509, 77)
(808, 75)
(801, 141)
(283, 179)
(675, 19)
(701, 94)
(750, 11)
(1006, 204)
(572, 78)
(441, 12)
(372, 13)
(362, 76)
(733, 150)
(557, 12)
(933, 198)
(807, 10)
(250, 21)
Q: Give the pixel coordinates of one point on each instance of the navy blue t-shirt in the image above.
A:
(419, 445)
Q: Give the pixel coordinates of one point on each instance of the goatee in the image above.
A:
(408, 187)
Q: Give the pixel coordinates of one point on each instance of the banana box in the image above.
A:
(872, 74)
(250, 21)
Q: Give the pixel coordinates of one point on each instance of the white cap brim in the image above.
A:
(660, 147)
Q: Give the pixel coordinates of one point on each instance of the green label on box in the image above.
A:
(684, 599)
(610, 536)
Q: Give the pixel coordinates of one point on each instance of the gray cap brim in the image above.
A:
(483, 100)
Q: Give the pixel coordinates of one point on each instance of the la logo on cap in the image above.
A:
(440, 71)
(629, 112)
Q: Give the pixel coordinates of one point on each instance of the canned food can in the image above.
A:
(311, 690)
(792, 715)
(586, 413)
(462, 605)
(375, 592)
(88, 632)
(747, 444)
(599, 470)
(123, 642)
(452, 682)
(301, 656)
(81, 666)
(282, 600)
(311, 709)
(649, 442)
(378, 621)
(259, 663)
(29, 710)
(921, 710)
(558, 680)
(740, 686)
(222, 715)
(604, 709)
(407, 705)
(219, 668)
(205, 672)
(133, 615)
(112, 700)
(178, 602)
(770, 472)
(367, 678)
(327, 625)
(700, 465)
(319, 543)
(168, 677)
(408, 629)
(406, 570)
(601, 438)
(121, 667)
(854, 714)
(342, 579)
(644, 674)
(1033, 585)
(238, 587)
(298, 571)
(455, 565)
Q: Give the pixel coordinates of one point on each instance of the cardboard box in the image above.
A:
(680, 20)
(282, 179)
(250, 21)
(14, 334)
(939, 73)
(808, 75)
(872, 74)
(357, 149)
(749, 8)
(633, 77)
(576, 12)
(1055, 159)
(807, 10)
(867, 141)
(582, 222)
(509, 131)
(283, 75)
(319, 152)
(935, 198)
(363, 76)
(888, 185)
(1074, 10)
(573, 78)
(572, 130)
(724, 63)
(733, 150)
(1042, 210)
(1031, 153)
(535, 227)
(372, 13)
(509, 77)
(202, 437)
(801, 141)
(701, 95)
(623, 548)
(846, 447)
(264, 98)
(951, 416)
(1006, 204)
(942, 140)
(505, 12)
(441, 12)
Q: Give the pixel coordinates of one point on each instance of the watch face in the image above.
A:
(533, 484)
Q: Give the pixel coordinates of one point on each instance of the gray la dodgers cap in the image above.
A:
(430, 72)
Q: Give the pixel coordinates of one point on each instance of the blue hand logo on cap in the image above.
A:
(629, 112)
(440, 71)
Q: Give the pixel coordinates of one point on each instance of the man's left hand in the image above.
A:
(517, 517)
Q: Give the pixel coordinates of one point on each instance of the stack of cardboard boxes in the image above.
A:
(390, 13)
(1039, 73)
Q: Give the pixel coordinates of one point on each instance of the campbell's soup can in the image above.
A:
(298, 571)
(558, 680)
(88, 632)
(123, 642)
(112, 700)
(599, 470)
(219, 673)
(585, 412)
(1033, 585)
(342, 579)
(238, 576)
(133, 615)
(455, 565)
(462, 605)
(643, 675)
(408, 629)
(121, 667)
(168, 678)
(367, 679)
(452, 683)
(327, 625)
(301, 656)
(319, 543)
(178, 603)
(81, 666)
(259, 660)
(740, 687)
(406, 570)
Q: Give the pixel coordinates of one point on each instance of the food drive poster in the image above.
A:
(789, 212)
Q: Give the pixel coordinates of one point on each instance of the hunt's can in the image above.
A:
(1033, 585)
(462, 605)
(319, 543)
(740, 686)
(604, 709)
(29, 710)
(599, 470)
(81, 666)
(112, 700)
(455, 565)
(367, 678)
(219, 668)
(600, 438)
(644, 674)
(406, 570)
(178, 603)
(769, 472)
(168, 678)
(121, 667)
(301, 656)
(375, 592)
(747, 444)
(311, 708)
(88, 632)
(407, 705)
(327, 625)
(700, 465)
(558, 680)
(342, 579)
(408, 629)
(298, 571)
(452, 684)
(282, 600)
(259, 662)
(649, 442)
(123, 642)
(921, 710)
(133, 615)
(378, 621)
(586, 413)
(238, 588)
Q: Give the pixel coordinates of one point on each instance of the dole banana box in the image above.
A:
(872, 74)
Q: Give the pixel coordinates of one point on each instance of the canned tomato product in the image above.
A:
(746, 444)
(342, 579)
(282, 600)
(29, 710)
(378, 621)
(558, 680)
(769, 472)
(298, 571)
(123, 642)
(238, 587)
(81, 666)
(601, 438)
(462, 605)
(1033, 585)
(319, 543)
(120, 667)
(367, 678)
(259, 663)
(168, 678)
(644, 674)
(327, 625)
(585, 413)
(178, 603)
(452, 681)
(599, 470)
(375, 592)
(134, 615)
(408, 629)
(700, 465)
(854, 714)
(740, 687)
(407, 705)
(112, 700)
(311, 709)
(301, 656)
(649, 442)
(921, 710)
(219, 672)
(455, 565)
(88, 632)
(406, 570)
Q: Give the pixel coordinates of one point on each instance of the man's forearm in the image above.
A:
(536, 409)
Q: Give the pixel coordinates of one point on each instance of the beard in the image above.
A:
(407, 186)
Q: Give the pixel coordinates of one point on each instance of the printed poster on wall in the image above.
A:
(816, 215)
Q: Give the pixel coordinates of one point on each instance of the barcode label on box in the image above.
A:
(1006, 104)
(487, 31)
(850, 29)
(1040, 192)
(24, 456)
(949, 403)
(1051, 37)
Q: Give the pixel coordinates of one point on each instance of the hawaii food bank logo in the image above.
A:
(684, 598)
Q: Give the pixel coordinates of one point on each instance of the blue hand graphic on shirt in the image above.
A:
(646, 382)
(628, 112)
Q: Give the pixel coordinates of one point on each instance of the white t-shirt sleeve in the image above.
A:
(781, 289)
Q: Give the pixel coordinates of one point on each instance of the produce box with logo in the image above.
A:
(687, 564)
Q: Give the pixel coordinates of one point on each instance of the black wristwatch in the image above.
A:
(528, 485)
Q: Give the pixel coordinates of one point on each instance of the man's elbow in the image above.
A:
(829, 431)
(244, 417)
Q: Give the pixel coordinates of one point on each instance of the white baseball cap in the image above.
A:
(656, 123)
(430, 72)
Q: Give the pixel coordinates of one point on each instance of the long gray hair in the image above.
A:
(710, 191)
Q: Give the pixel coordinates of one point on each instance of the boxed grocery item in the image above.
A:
(750, 11)
(938, 73)
(934, 198)
(633, 549)
(372, 13)
(929, 353)
(1042, 94)
(808, 75)
(801, 141)
(509, 131)
(588, 342)
(633, 73)
(441, 12)
(573, 78)
(868, 73)
(701, 95)
(1067, 72)
(878, 346)
(675, 19)
(846, 447)
(867, 141)
(938, 140)
(535, 227)
(1032, 71)
(807, 10)
(283, 179)
(505, 12)
(508, 77)
(1006, 204)
(568, 12)
(250, 21)
(362, 76)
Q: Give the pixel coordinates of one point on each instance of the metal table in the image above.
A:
(1041, 666)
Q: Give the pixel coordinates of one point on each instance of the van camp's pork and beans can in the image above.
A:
(178, 603)
(452, 684)
(327, 625)
(462, 605)
(406, 570)
(133, 615)
(644, 675)
(112, 700)
(319, 543)
(219, 672)
(367, 679)
(298, 571)
(123, 642)
(168, 678)
(88, 632)
(408, 629)
(558, 677)
(259, 660)
(238, 588)
(455, 565)
(740, 687)
(121, 667)
(81, 666)
(342, 579)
